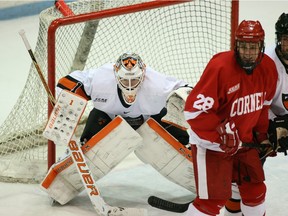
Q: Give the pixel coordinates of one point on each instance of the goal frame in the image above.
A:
(73, 19)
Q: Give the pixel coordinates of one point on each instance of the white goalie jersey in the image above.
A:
(105, 150)
(101, 87)
(279, 104)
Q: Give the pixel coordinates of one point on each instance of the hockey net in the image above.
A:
(177, 40)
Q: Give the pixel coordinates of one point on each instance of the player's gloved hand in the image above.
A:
(229, 137)
(283, 145)
(266, 149)
(282, 140)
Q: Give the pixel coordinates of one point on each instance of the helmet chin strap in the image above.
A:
(249, 71)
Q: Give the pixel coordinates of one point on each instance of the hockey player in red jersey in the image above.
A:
(227, 108)
(278, 111)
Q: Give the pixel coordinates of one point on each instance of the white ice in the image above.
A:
(132, 182)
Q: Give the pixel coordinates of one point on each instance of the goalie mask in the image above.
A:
(249, 45)
(281, 28)
(129, 72)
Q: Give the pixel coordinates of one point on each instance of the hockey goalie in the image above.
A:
(129, 114)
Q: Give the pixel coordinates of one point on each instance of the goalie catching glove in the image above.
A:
(175, 107)
(230, 141)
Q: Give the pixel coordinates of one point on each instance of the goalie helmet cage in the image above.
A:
(174, 37)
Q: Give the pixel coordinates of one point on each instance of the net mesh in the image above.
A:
(177, 40)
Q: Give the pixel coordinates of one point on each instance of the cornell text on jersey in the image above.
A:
(247, 104)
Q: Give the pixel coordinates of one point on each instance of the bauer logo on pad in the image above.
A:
(64, 118)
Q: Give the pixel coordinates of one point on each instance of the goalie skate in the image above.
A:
(64, 117)
(119, 211)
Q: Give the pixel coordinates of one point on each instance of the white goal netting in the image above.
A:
(178, 40)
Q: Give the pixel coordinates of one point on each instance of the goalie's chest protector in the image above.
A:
(150, 99)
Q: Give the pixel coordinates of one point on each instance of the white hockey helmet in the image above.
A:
(129, 71)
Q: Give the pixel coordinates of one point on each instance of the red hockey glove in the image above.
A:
(229, 137)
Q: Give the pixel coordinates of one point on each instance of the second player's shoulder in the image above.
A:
(92, 72)
(160, 84)
(101, 74)
(152, 73)
(154, 76)
(105, 68)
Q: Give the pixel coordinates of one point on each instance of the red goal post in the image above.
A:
(176, 37)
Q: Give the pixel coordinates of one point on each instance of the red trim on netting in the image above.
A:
(234, 21)
(63, 8)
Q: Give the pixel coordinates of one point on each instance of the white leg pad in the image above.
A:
(103, 152)
(62, 182)
(165, 154)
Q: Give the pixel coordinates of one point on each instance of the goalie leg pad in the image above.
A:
(103, 152)
(110, 146)
(165, 154)
(62, 181)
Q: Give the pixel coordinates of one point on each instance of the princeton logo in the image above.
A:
(233, 88)
(285, 100)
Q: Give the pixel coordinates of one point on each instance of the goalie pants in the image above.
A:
(98, 119)
(215, 172)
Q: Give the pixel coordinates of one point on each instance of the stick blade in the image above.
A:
(167, 205)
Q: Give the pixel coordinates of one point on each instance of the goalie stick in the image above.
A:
(100, 206)
(166, 205)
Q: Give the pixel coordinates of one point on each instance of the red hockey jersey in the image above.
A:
(225, 91)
